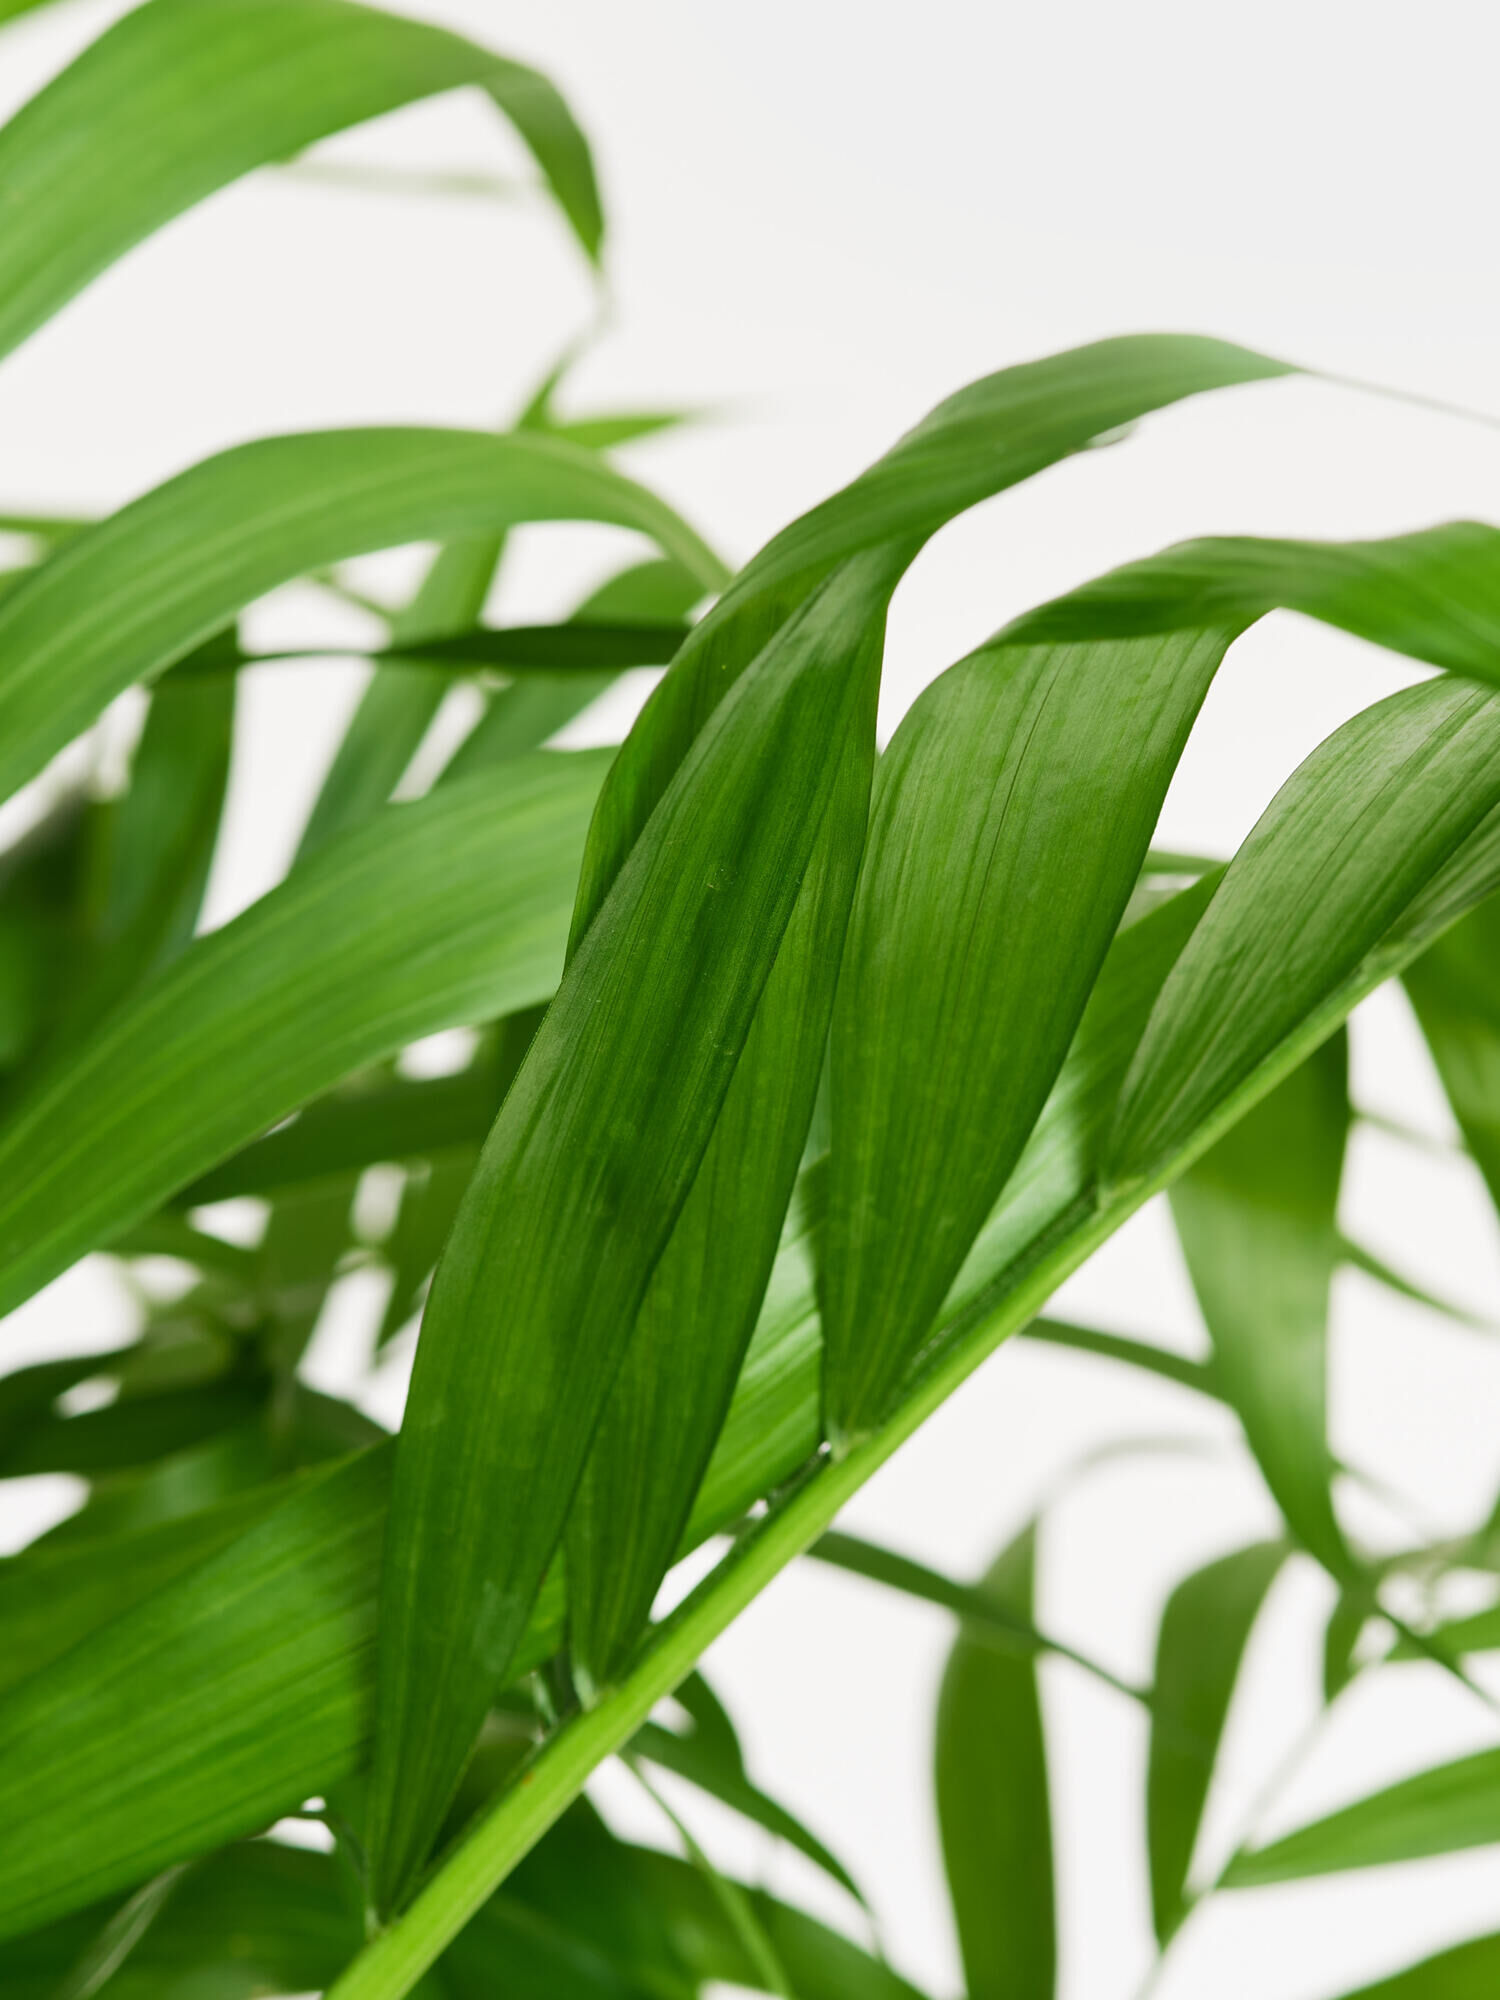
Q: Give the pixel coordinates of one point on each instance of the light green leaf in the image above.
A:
(1346, 862)
(130, 596)
(1456, 994)
(1204, 1630)
(445, 911)
(992, 1797)
(597, 1145)
(180, 99)
(1120, 1347)
(1013, 813)
(1440, 1811)
(1257, 1218)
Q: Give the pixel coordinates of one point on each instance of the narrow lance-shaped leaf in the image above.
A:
(446, 911)
(1440, 1811)
(1455, 988)
(1434, 594)
(179, 99)
(398, 706)
(1257, 1218)
(1014, 810)
(1204, 1630)
(596, 1146)
(1468, 1971)
(670, 1397)
(993, 1806)
(126, 598)
(1359, 833)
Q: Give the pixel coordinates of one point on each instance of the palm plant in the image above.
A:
(800, 1077)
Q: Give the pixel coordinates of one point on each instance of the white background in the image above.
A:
(823, 217)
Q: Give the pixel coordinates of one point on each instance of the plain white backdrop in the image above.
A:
(824, 217)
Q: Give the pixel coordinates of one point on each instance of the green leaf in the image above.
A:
(1205, 1627)
(1454, 989)
(723, 1778)
(179, 99)
(1161, 1361)
(397, 707)
(992, 1797)
(1346, 863)
(445, 911)
(1434, 594)
(1469, 1971)
(1440, 1811)
(1013, 812)
(989, 436)
(1257, 1218)
(597, 1145)
(128, 597)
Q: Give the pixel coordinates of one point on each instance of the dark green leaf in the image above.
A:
(1456, 993)
(1204, 1630)
(441, 912)
(1014, 810)
(992, 1797)
(1455, 1806)
(1257, 1218)
(597, 1144)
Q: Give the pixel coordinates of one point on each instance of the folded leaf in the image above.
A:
(180, 99)
(1438, 1812)
(1014, 811)
(121, 600)
(1204, 1630)
(1257, 1218)
(596, 1146)
(446, 911)
(992, 1798)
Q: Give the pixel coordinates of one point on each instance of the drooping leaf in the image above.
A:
(1014, 811)
(993, 1805)
(128, 597)
(1257, 1219)
(179, 99)
(1204, 1630)
(1440, 1811)
(445, 911)
(1179, 1368)
(1347, 861)
(722, 1778)
(1434, 594)
(628, 1071)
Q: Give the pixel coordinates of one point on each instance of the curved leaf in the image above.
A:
(1205, 1627)
(1469, 1971)
(1257, 1218)
(1013, 814)
(179, 99)
(992, 1798)
(446, 911)
(125, 598)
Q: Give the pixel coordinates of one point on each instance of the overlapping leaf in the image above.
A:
(449, 910)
